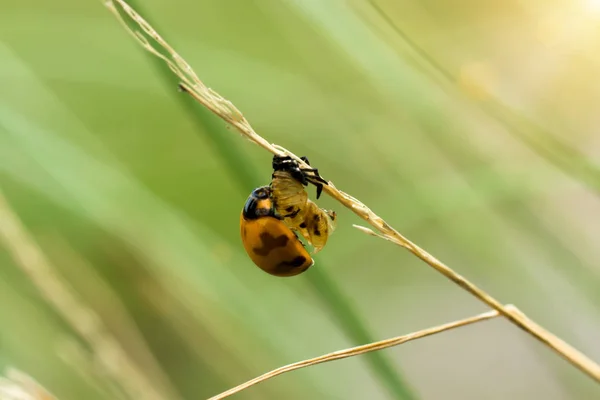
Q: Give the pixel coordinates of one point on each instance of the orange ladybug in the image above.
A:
(292, 204)
(271, 245)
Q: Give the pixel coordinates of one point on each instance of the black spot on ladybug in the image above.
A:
(292, 215)
(302, 225)
(317, 232)
(263, 212)
(286, 267)
(298, 261)
(290, 209)
(269, 243)
(304, 268)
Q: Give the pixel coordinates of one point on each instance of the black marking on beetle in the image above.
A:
(263, 211)
(292, 215)
(290, 209)
(285, 267)
(298, 261)
(304, 269)
(316, 218)
(317, 231)
(269, 243)
(302, 225)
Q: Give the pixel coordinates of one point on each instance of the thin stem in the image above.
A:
(358, 350)
(230, 114)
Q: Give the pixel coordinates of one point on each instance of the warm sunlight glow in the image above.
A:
(593, 6)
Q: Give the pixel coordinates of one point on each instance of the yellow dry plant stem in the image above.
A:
(358, 350)
(230, 114)
(17, 385)
(106, 349)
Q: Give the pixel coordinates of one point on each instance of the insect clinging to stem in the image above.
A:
(271, 245)
(291, 201)
(274, 214)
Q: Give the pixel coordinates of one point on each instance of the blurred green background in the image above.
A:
(471, 127)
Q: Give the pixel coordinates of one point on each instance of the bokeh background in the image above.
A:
(470, 126)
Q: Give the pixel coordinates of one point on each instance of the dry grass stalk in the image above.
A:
(358, 350)
(83, 320)
(17, 385)
(230, 114)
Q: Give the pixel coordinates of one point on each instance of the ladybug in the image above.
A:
(269, 242)
(292, 204)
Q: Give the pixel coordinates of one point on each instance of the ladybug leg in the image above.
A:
(319, 190)
(287, 163)
(315, 171)
(316, 179)
(299, 175)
